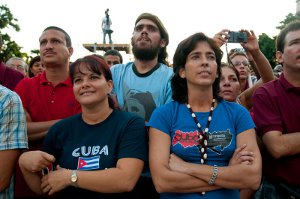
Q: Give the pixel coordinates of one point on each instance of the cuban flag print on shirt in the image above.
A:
(88, 163)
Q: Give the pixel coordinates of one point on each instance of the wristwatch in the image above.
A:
(74, 178)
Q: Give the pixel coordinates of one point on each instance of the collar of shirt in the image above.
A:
(287, 86)
(43, 80)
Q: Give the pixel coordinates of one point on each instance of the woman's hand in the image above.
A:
(56, 180)
(176, 163)
(241, 156)
(35, 161)
(252, 43)
(221, 37)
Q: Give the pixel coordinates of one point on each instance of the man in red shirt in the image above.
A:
(277, 115)
(47, 97)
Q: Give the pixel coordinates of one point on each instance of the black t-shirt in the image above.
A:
(77, 145)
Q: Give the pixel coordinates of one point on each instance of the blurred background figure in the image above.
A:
(113, 57)
(278, 69)
(106, 23)
(18, 64)
(240, 61)
(35, 66)
(8, 77)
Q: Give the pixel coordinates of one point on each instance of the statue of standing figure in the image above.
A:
(106, 23)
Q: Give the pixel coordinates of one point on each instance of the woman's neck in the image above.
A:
(201, 99)
(95, 115)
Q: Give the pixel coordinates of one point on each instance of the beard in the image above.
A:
(145, 54)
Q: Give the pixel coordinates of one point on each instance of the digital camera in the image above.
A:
(237, 37)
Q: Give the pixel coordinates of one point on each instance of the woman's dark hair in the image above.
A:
(179, 85)
(225, 65)
(32, 61)
(96, 65)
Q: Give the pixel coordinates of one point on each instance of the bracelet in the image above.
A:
(213, 176)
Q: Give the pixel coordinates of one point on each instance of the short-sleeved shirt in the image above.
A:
(142, 93)
(105, 25)
(78, 145)
(13, 129)
(9, 77)
(277, 108)
(44, 102)
(228, 121)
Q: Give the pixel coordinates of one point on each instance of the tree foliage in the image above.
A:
(267, 46)
(10, 48)
(289, 18)
(35, 52)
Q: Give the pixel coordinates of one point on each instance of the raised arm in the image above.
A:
(221, 37)
(263, 65)
(166, 180)
(253, 64)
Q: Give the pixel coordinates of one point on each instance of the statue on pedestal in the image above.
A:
(106, 23)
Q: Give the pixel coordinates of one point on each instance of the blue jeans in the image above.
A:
(109, 36)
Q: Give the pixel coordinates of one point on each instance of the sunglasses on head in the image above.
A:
(239, 50)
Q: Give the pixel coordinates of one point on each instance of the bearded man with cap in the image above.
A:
(143, 85)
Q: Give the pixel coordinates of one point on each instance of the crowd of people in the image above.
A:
(201, 128)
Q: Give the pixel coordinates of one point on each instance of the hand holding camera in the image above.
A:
(228, 36)
(237, 37)
(221, 37)
(246, 38)
(252, 43)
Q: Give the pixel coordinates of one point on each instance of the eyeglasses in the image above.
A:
(245, 63)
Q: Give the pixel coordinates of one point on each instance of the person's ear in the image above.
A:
(182, 73)
(110, 86)
(279, 56)
(162, 43)
(71, 50)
